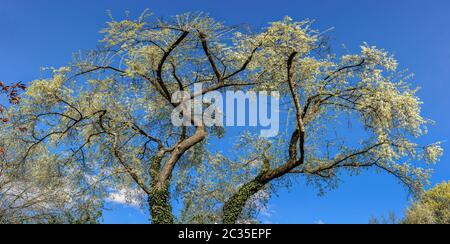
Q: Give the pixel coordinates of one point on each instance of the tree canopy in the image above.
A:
(430, 207)
(433, 207)
(104, 121)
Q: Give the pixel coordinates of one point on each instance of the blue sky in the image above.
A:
(38, 33)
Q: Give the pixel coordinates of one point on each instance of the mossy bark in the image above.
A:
(233, 208)
(160, 207)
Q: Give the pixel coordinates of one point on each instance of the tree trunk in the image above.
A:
(160, 208)
(233, 208)
(159, 197)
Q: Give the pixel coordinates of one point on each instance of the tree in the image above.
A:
(109, 114)
(430, 207)
(11, 93)
(39, 193)
(433, 207)
(35, 193)
(100, 122)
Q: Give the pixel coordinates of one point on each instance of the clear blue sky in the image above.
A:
(46, 32)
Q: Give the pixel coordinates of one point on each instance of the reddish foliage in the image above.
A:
(12, 91)
(2, 151)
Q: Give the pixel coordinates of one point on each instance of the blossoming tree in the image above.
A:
(107, 116)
